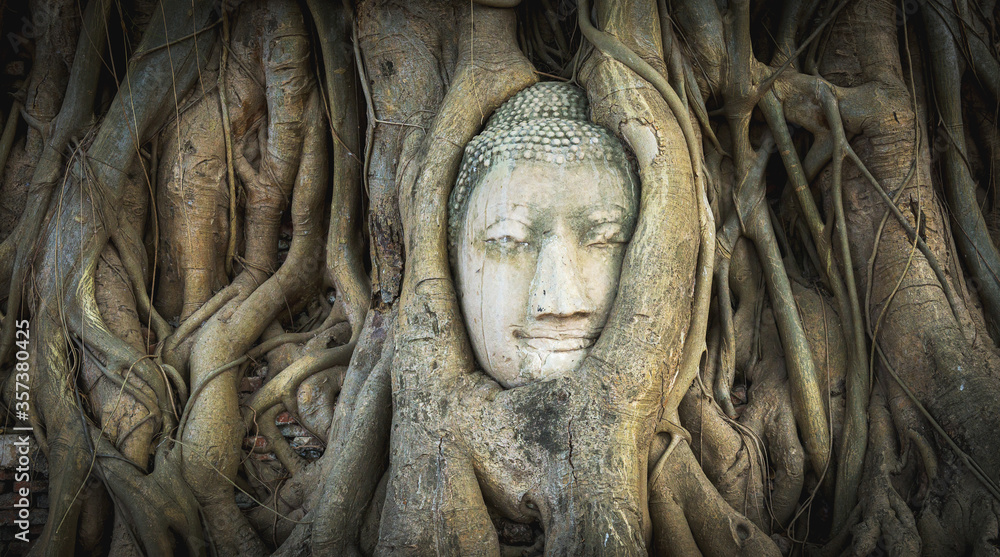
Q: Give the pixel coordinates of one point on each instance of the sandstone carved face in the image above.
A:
(540, 250)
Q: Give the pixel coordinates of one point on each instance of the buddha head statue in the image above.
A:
(539, 219)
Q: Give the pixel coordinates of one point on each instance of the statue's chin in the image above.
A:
(539, 365)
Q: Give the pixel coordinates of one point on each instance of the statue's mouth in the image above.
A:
(559, 345)
(556, 340)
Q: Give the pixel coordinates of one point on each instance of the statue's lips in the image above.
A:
(566, 341)
(559, 345)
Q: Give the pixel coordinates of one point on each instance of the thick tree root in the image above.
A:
(886, 519)
(213, 425)
(693, 519)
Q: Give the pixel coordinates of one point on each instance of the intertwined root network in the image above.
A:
(224, 218)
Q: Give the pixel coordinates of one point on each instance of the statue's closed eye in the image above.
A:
(508, 234)
(605, 235)
(507, 242)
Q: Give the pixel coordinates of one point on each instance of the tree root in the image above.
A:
(584, 459)
(350, 482)
(212, 417)
(283, 388)
(884, 513)
(345, 267)
(685, 506)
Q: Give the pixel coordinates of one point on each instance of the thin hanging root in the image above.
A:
(840, 143)
(684, 75)
(336, 315)
(201, 387)
(118, 354)
(974, 242)
(122, 356)
(168, 346)
(121, 381)
(855, 429)
(858, 382)
(926, 452)
(227, 131)
(550, 17)
(774, 114)
(176, 380)
(932, 261)
(694, 347)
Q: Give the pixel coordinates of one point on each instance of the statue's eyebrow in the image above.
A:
(518, 213)
(612, 213)
(504, 218)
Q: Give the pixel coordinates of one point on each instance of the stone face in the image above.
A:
(539, 256)
(538, 234)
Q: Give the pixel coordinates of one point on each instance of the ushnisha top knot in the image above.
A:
(545, 123)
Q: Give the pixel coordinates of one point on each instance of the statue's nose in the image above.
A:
(557, 289)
